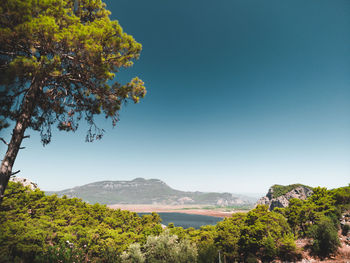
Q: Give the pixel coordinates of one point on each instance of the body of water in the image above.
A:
(187, 220)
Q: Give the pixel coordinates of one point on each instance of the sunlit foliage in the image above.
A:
(32, 223)
(40, 228)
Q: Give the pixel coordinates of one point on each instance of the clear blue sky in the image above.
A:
(242, 94)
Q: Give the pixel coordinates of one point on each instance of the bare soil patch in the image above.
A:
(186, 209)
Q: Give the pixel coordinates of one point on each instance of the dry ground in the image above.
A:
(186, 209)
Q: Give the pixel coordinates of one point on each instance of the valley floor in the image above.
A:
(186, 209)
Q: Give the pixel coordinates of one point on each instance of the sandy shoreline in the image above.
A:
(186, 209)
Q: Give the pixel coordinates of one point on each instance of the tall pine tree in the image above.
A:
(58, 60)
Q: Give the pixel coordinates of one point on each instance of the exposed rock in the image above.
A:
(24, 182)
(300, 192)
(185, 200)
(345, 219)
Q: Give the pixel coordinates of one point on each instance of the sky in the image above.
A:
(242, 94)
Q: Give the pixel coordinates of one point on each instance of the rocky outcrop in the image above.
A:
(24, 182)
(300, 192)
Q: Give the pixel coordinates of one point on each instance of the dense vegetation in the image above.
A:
(279, 190)
(40, 228)
(33, 225)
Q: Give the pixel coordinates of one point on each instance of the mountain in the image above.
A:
(143, 191)
(279, 195)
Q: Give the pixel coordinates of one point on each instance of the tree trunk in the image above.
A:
(23, 120)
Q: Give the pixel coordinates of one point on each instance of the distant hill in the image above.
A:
(152, 191)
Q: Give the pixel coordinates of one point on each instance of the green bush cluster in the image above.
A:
(33, 225)
(318, 218)
(325, 238)
(163, 248)
(257, 235)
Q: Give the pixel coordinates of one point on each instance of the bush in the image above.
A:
(164, 248)
(133, 254)
(269, 249)
(207, 253)
(287, 249)
(64, 252)
(325, 238)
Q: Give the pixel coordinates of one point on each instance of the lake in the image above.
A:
(187, 220)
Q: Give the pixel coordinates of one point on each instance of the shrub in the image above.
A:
(163, 248)
(63, 252)
(133, 254)
(269, 249)
(207, 253)
(287, 249)
(325, 238)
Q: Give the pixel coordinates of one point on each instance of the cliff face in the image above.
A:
(272, 201)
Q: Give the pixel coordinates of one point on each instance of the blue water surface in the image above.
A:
(187, 220)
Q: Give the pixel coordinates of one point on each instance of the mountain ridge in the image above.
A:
(147, 191)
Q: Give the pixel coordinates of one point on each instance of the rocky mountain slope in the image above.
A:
(279, 195)
(142, 191)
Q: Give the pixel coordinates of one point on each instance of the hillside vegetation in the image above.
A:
(34, 225)
(279, 190)
(39, 228)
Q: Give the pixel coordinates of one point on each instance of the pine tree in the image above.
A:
(58, 65)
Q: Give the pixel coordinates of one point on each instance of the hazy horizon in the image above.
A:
(242, 94)
(249, 194)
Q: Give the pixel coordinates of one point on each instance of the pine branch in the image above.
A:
(3, 140)
(16, 172)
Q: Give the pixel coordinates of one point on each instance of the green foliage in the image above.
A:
(263, 233)
(325, 238)
(34, 225)
(133, 254)
(163, 248)
(269, 249)
(342, 197)
(279, 190)
(259, 234)
(287, 249)
(318, 218)
(63, 252)
(301, 215)
(43, 225)
(228, 235)
(70, 56)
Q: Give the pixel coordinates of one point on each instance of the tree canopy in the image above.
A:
(58, 65)
(43, 225)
